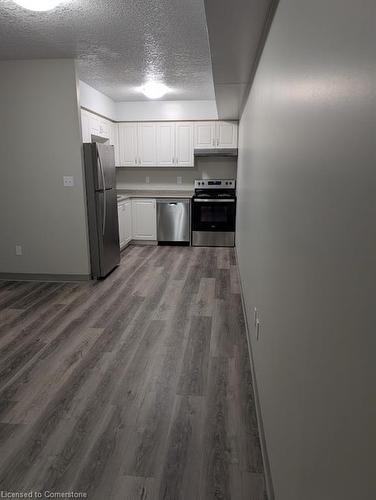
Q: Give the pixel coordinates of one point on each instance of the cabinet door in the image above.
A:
(205, 135)
(128, 144)
(128, 235)
(104, 128)
(227, 135)
(184, 144)
(114, 141)
(147, 144)
(94, 124)
(144, 220)
(85, 126)
(166, 144)
(121, 218)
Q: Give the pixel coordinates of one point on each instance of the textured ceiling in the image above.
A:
(118, 43)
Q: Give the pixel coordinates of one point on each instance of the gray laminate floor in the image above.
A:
(136, 387)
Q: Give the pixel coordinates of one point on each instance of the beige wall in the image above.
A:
(40, 142)
(166, 178)
(306, 240)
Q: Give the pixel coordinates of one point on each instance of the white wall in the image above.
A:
(306, 241)
(159, 110)
(95, 101)
(166, 110)
(166, 178)
(40, 142)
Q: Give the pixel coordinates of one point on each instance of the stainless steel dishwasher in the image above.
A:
(174, 221)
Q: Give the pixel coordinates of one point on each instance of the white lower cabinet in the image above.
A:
(125, 222)
(144, 219)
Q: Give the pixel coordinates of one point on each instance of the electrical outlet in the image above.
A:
(147, 179)
(68, 181)
(18, 250)
(179, 179)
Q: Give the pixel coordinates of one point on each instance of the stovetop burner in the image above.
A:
(215, 188)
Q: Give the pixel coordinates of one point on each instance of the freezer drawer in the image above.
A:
(173, 220)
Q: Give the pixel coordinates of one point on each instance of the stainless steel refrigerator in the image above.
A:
(102, 210)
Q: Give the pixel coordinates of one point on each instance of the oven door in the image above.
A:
(213, 214)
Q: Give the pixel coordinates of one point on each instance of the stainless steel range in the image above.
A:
(213, 213)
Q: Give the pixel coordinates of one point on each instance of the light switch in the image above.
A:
(18, 250)
(147, 179)
(68, 181)
(179, 179)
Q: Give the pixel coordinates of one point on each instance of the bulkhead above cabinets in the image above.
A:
(159, 144)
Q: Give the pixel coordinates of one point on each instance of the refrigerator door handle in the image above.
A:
(104, 195)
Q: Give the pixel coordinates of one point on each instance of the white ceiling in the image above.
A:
(118, 43)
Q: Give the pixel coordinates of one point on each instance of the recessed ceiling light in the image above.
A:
(154, 90)
(38, 5)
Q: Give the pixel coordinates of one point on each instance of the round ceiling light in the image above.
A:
(154, 90)
(38, 5)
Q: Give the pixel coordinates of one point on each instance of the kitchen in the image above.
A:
(160, 165)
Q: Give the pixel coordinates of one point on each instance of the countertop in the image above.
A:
(124, 194)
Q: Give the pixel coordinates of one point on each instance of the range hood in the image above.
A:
(224, 152)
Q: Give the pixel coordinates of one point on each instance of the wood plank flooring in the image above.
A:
(135, 387)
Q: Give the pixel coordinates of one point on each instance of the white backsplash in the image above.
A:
(167, 178)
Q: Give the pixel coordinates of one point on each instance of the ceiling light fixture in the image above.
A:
(38, 5)
(154, 90)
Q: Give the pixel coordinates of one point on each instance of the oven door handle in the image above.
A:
(212, 200)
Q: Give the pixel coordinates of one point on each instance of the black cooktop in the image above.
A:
(215, 193)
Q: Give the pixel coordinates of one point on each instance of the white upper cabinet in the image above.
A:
(128, 139)
(227, 134)
(205, 135)
(159, 144)
(175, 144)
(137, 144)
(166, 144)
(184, 144)
(98, 129)
(104, 128)
(114, 141)
(85, 126)
(147, 144)
(216, 134)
